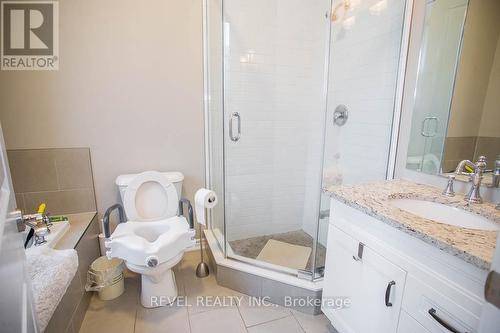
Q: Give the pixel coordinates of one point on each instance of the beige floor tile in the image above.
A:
(204, 294)
(117, 315)
(313, 324)
(163, 319)
(254, 313)
(287, 324)
(207, 308)
(179, 280)
(217, 321)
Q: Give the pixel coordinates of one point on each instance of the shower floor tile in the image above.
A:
(251, 247)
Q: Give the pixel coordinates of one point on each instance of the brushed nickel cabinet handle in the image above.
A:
(442, 322)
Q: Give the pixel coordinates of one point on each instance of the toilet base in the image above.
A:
(158, 293)
(158, 287)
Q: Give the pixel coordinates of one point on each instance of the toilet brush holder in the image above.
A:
(202, 268)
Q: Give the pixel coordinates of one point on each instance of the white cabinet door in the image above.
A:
(365, 282)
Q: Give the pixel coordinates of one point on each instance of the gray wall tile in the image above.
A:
(73, 168)
(243, 282)
(62, 202)
(62, 178)
(277, 291)
(88, 249)
(489, 147)
(33, 170)
(70, 312)
(63, 314)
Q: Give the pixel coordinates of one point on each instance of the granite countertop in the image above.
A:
(474, 246)
(78, 223)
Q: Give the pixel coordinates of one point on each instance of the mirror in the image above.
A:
(456, 94)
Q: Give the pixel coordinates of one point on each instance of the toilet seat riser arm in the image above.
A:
(190, 218)
(105, 219)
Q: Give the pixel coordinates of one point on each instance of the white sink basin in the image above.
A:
(444, 214)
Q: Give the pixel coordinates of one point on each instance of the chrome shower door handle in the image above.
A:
(436, 125)
(235, 116)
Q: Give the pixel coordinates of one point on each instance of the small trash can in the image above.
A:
(106, 277)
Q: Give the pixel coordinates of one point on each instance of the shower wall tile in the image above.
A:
(275, 63)
(364, 63)
(62, 178)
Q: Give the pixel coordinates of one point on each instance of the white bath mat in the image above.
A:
(284, 254)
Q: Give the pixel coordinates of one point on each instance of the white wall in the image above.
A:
(275, 58)
(481, 32)
(490, 120)
(129, 87)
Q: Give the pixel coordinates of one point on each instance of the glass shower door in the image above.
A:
(364, 61)
(275, 65)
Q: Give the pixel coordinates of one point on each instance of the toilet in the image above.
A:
(154, 238)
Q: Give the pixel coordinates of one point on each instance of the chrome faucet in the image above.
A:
(474, 195)
(496, 174)
(39, 222)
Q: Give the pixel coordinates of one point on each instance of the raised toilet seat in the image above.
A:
(154, 239)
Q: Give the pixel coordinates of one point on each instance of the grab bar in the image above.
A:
(190, 211)
(105, 219)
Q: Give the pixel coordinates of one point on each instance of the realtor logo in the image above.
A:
(29, 35)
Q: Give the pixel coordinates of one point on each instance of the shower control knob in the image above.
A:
(152, 261)
(340, 115)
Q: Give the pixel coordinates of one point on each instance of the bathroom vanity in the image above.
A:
(400, 269)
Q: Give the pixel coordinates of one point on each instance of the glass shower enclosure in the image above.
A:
(297, 99)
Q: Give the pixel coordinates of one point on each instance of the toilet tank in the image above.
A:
(174, 177)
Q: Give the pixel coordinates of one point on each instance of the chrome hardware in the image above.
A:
(496, 173)
(340, 115)
(424, 122)
(235, 116)
(304, 275)
(17, 215)
(388, 293)
(474, 195)
(152, 261)
(441, 321)
(361, 247)
(448, 191)
(324, 214)
(40, 224)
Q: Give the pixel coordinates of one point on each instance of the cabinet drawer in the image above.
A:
(408, 324)
(373, 285)
(455, 309)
